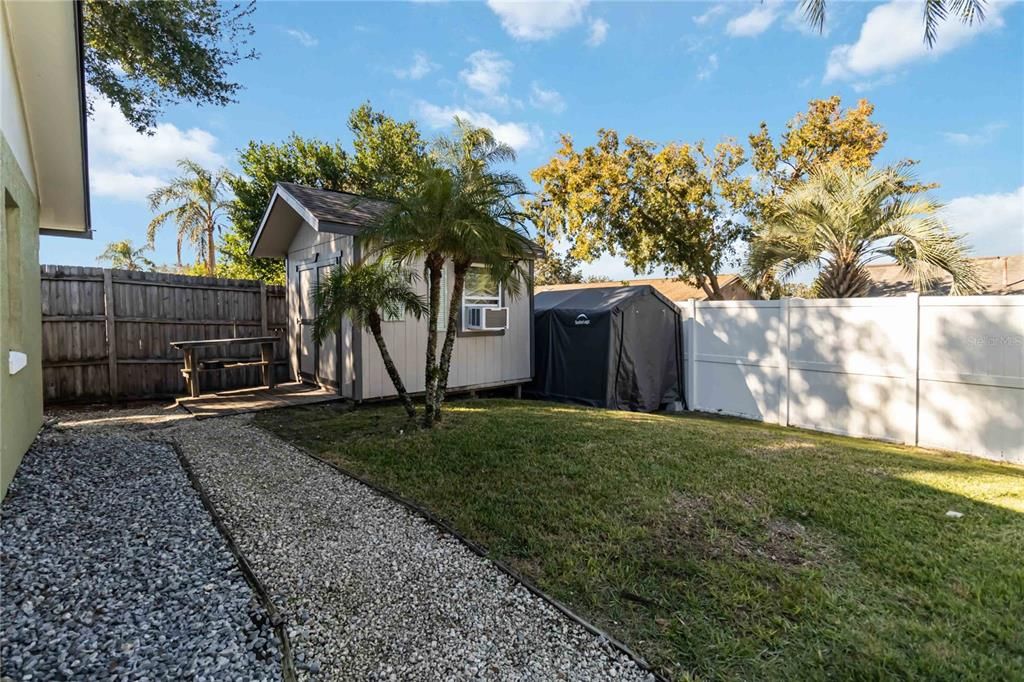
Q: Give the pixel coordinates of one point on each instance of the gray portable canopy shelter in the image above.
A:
(615, 347)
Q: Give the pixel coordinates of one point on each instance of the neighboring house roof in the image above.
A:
(43, 72)
(673, 289)
(999, 274)
(325, 210)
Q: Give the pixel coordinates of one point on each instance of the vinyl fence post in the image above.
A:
(691, 360)
(784, 361)
(914, 315)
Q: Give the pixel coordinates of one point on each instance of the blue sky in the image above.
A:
(663, 71)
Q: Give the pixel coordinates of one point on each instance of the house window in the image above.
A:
(480, 293)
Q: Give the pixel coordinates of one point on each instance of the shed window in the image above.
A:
(481, 292)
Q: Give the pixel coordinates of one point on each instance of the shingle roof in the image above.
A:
(999, 275)
(338, 207)
(352, 212)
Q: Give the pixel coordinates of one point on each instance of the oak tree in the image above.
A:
(145, 54)
(678, 206)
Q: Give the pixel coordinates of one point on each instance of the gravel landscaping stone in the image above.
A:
(372, 591)
(368, 589)
(111, 568)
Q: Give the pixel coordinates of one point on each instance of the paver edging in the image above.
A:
(277, 621)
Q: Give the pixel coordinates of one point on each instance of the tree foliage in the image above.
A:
(145, 54)
(843, 219)
(677, 206)
(123, 255)
(824, 134)
(384, 164)
(555, 268)
(196, 202)
(307, 161)
(365, 294)
(464, 210)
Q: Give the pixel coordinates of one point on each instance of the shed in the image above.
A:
(614, 346)
(315, 230)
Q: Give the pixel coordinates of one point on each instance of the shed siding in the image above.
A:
(476, 360)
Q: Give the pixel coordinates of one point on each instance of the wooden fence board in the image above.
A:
(107, 333)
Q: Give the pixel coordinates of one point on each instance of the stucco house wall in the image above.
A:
(43, 183)
(21, 393)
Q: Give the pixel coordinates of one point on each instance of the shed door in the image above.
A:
(307, 313)
(327, 352)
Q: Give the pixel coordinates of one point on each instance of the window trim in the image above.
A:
(491, 302)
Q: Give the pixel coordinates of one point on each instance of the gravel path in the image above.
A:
(111, 568)
(371, 591)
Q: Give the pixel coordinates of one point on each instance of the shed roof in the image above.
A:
(325, 210)
(594, 299)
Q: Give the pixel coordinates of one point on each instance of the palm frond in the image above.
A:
(843, 219)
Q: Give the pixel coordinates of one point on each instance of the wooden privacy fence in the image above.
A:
(106, 333)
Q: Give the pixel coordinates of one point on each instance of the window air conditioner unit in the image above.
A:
(486, 319)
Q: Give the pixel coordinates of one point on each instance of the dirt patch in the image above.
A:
(734, 527)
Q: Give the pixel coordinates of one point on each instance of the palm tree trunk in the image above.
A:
(435, 262)
(843, 279)
(211, 259)
(389, 365)
(445, 364)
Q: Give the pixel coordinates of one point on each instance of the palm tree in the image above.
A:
(124, 256)
(366, 293)
(196, 200)
(460, 210)
(935, 11)
(842, 219)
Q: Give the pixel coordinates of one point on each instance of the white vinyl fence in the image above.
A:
(940, 372)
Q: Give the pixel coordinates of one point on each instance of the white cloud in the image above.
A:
(420, 67)
(797, 21)
(598, 32)
(708, 68)
(994, 223)
(537, 20)
(303, 38)
(487, 74)
(893, 36)
(983, 136)
(550, 100)
(755, 22)
(709, 14)
(517, 135)
(127, 165)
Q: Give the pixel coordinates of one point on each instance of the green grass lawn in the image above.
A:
(720, 548)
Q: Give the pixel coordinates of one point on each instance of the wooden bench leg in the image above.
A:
(192, 379)
(267, 358)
